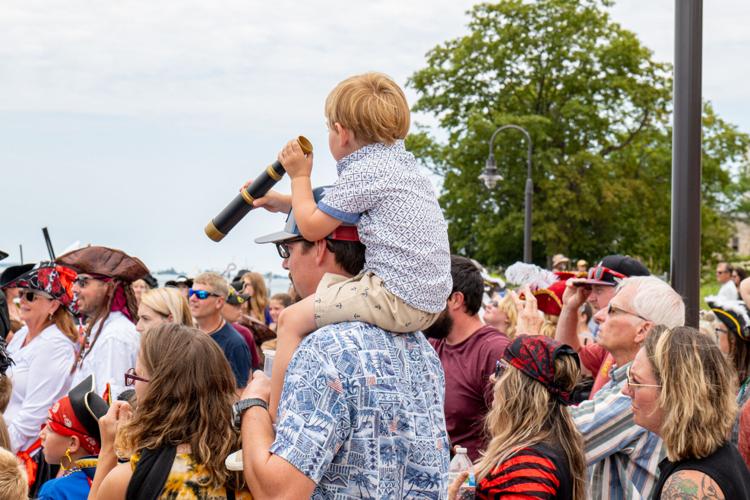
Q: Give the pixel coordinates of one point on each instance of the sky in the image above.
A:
(131, 124)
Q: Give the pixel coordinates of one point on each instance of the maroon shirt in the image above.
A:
(246, 334)
(468, 391)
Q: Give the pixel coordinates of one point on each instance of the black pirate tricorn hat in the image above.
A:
(88, 406)
(10, 273)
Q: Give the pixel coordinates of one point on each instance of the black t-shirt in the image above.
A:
(236, 351)
(725, 466)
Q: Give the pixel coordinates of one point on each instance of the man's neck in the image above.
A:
(464, 326)
(625, 357)
(210, 324)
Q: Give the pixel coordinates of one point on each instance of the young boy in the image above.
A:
(406, 279)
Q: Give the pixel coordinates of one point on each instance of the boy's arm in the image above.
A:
(313, 223)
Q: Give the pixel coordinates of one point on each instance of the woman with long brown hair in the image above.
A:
(180, 432)
(535, 450)
(254, 287)
(42, 351)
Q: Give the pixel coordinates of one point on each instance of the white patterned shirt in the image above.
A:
(399, 220)
(361, 414)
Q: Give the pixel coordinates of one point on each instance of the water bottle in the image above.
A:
(459, 464)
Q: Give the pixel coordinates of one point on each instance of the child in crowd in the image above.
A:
(278, 303)
(406, 278)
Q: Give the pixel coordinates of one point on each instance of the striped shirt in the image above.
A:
(623, 458)
(536, 472)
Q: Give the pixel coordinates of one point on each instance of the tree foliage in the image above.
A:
(598, 109)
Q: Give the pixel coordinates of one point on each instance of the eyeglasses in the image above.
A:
(721, 272)
(31, 295)
(633, 385)
(131, 377)
(283, 247)
(202, 294)
(611, 310)
(597, 273)
(718, 331)
(83, 281)
(500, 366)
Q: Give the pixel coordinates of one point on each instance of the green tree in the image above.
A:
(598, 110)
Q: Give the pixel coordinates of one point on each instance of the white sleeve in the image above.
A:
(48, 380)
(113, 357)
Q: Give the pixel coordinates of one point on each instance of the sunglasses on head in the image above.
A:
(201, 294)
(598, 272)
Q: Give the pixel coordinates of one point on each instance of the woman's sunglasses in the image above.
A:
(31, 295)
(500, 366)
(201, 294)
(131, 377)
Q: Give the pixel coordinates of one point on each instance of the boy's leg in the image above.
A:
(295, 322)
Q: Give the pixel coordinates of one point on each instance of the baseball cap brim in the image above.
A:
(276, 237)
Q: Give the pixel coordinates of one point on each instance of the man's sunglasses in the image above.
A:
(83, 281)
(202, 294)
(131, 377)
(283, 247)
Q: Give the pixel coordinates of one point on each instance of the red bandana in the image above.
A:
(63, 421)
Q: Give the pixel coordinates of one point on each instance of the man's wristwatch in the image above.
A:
(239, 408)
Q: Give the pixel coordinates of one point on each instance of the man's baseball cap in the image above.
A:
(344, 232)
(614, 268)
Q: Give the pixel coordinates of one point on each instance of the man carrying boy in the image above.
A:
(361, 411)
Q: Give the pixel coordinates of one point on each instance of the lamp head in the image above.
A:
(490, 176)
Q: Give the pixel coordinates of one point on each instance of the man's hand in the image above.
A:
(529, 320)
(259, 387)
(295, 161)
(576, 293)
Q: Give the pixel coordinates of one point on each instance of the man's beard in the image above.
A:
(441, 327)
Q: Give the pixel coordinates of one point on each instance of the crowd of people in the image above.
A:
(389, 356)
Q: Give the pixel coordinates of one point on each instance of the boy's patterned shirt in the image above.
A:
(361, 414)
(399, 220)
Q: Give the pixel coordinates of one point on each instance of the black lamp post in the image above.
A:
(490, 177)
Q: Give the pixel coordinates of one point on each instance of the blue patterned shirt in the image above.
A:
(399, 220)
(361, 414)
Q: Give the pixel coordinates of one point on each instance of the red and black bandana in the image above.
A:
(534, 356)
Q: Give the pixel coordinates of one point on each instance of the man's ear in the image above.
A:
(456, 301)
(642, 332)
(321, 250)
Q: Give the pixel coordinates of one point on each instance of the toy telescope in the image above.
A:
(220, 225)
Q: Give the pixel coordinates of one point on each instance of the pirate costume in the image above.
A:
(76, 414)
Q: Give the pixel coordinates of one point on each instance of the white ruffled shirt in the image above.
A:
(40, 375)
(113, 354)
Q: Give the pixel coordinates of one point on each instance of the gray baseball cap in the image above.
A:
(291, 231)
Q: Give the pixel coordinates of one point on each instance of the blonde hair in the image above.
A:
(13, 482)
(370, 105)
(698, 391)
(549, 326)
(256, 305)
(524, 414)
(166, 302)
(215, 281)
(508, 306)
(188, 400)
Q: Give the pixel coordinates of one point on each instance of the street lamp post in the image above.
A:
(490, 177)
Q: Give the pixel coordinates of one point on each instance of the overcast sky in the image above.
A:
(130, 124)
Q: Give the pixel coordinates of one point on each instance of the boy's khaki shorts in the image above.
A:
(364, 298)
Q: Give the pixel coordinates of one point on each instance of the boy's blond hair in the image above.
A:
(13, 485)
(372, 106)
(215, 281)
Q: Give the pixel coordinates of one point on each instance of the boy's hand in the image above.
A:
(273, 201)
(295, 162)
